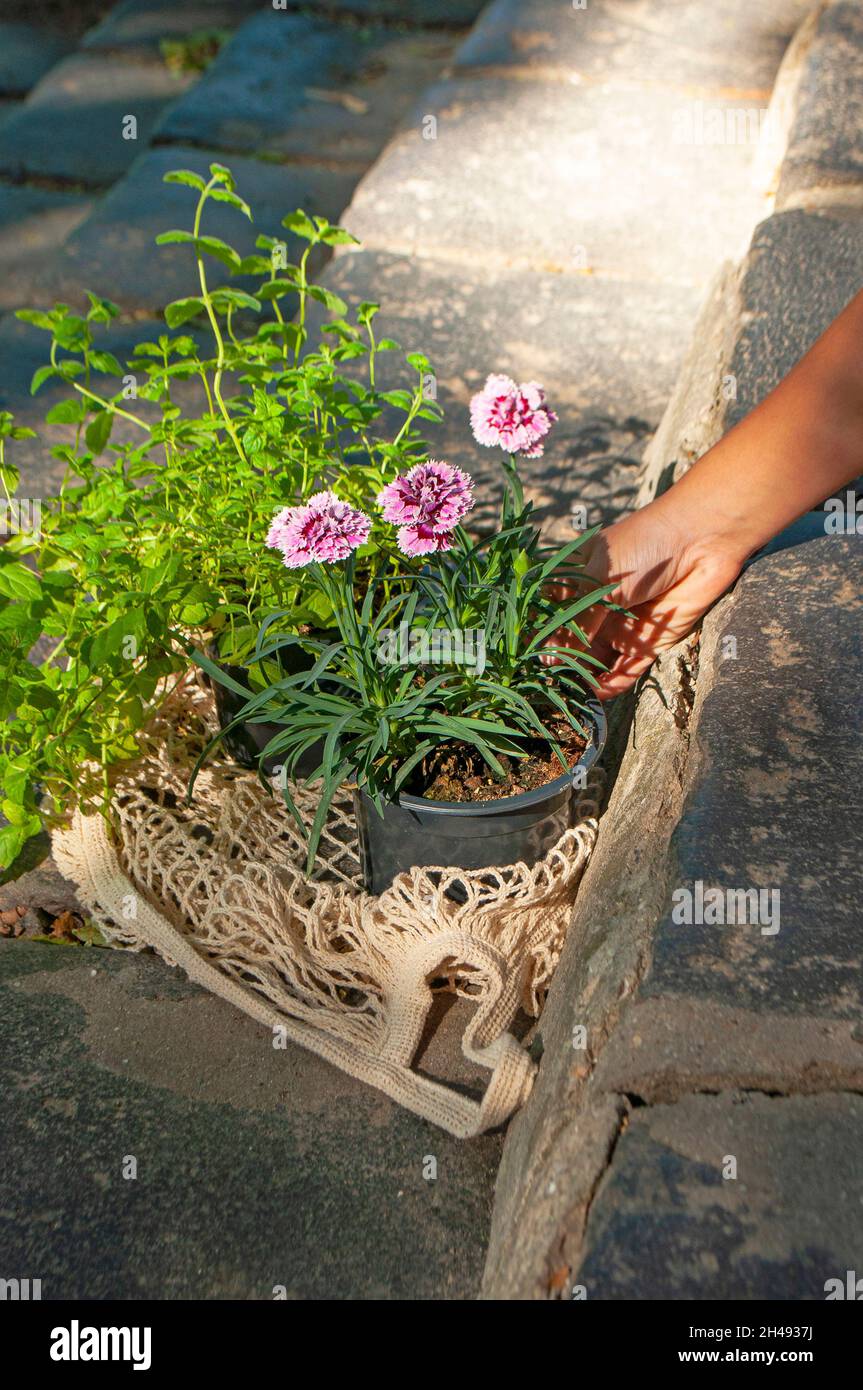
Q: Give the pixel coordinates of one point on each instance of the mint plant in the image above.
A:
(235, 411)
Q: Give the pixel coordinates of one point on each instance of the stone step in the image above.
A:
(824, 161)
(138, 27)
(34, 224)
(669, 1223)
(27, 52)
(462, 181)
(76, 125)
(730, 48)
(290, 86)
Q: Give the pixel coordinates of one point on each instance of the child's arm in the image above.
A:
(676, 556)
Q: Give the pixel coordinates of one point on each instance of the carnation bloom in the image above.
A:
(426, 503)
(422, 540)
(432, 494)
(324, 530)
(514, 417)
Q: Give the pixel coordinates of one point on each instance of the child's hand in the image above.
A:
(664, 580)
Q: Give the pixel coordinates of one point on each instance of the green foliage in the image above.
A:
(157, 535)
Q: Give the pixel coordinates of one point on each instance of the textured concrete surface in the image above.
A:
(824, 252)
(611, 170)
(71, 128)
(256, 1167)
(34, 223)
(685, 44)
(292, 86)
(824, 161)
(775, 794)
(669, 1222)
(26, 53)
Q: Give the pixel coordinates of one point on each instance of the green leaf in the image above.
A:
(214, 246)
(223, 174)
(169, 238)
(36, 317)
(98, 431)
(17, 581)
(222, 195)
(12, 839)
(40, 376)
(185, 176)
(237, 298)
(105, 362)
(70, 412)
(301, 225)
(181, 310)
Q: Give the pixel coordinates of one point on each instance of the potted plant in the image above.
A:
(434, 698)
(172, 469)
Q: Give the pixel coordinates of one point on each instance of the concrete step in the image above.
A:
(75, 128)
(257, 1166)
(298, 87)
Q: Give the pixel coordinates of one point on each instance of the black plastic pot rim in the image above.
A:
(524, 800)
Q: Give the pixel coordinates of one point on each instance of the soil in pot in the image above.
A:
(457, 772)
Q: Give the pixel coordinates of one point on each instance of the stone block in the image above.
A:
(666, 1224)
(692, 43)
(75, 126)
(825, 152)
(291, 86)
(462, 180)
(26, 54)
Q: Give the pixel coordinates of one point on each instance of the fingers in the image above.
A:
(622, 675)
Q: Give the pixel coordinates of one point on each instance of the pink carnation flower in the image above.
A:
(324, 530)
(432, 494)
(422, 540)
(514, 417)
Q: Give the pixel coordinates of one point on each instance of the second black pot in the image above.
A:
(247, 740)
(418, 832)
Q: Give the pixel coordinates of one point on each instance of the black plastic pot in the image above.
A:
(246, 741)
(417, 832)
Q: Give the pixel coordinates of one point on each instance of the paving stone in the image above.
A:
(443, 14)
(666, 1224)
(114, 252)
(824, 147)
(293, 86)
(34, 223)
(775, 796)
(71, 127)
(732, 46)
(578, 335)
(26, 54)
(610, 172)
(140, 25)
(824, 252)
(108, 1054)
